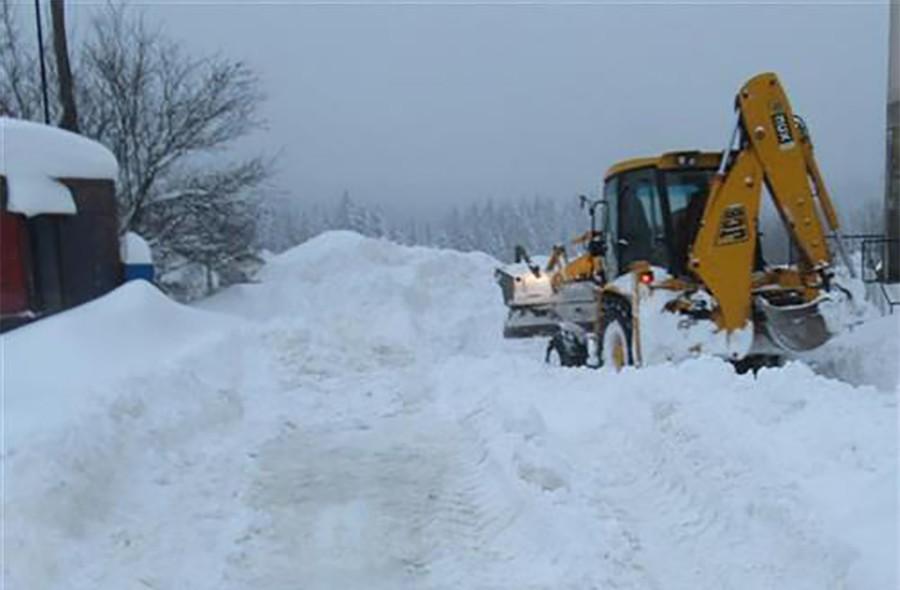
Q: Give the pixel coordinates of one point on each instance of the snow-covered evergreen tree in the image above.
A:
(491, 226)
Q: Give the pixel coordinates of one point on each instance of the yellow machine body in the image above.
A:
(715, 249)
(583, 268)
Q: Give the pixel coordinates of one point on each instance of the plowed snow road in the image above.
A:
(370, 429)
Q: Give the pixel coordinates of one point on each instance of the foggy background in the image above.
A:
(468, 126)
(424, 106)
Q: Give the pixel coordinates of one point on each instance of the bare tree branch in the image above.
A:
(19, 92)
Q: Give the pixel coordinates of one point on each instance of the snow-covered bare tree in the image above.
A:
(211, 220)
(20, 92)
(169, 117)
(160, 110)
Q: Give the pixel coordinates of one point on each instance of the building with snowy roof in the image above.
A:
(59, 234)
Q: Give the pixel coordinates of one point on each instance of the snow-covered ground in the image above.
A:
(355, 420)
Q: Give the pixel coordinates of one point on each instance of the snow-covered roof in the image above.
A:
(33, 157)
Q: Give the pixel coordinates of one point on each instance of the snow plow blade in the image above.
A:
(536, 308)
(795, 328)
(530, 322)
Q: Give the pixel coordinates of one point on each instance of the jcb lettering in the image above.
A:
(733, 226)
(783, 129)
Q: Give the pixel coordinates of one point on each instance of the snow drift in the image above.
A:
(356, 420)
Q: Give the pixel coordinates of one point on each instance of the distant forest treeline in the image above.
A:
(494, 227)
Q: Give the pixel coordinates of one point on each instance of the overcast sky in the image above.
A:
(424, 105)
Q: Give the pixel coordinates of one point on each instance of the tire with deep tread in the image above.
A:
(565, 350)
(753, 363)
(616, 316)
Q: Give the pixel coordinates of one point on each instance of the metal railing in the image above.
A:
(873, 261)
(854, 242)
(874, 258)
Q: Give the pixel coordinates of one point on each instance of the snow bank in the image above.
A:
(362, 424)
(53, 369)
(33, 157)
(867, 354)
(349, 291)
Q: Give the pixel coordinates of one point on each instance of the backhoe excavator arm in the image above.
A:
(773, 148)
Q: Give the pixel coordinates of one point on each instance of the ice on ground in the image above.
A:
(355, 420)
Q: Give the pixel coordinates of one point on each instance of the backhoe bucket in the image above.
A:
(795, 328)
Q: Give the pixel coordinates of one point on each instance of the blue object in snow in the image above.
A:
(137, 261)
(139, 271)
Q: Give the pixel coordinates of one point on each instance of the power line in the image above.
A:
(40, 36)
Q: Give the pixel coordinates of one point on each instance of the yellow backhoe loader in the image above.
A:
(684, 274)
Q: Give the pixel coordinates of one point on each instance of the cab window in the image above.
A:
(687, 192)
(641, 226)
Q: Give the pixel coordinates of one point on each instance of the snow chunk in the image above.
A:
(33, 157)
(135, 250)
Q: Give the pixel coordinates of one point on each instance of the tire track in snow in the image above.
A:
(342, 507)
(471, 514)
(530, 526)
(679, 494)
(408, 500)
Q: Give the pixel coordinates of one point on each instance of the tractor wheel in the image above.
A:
(615, 334)
(565, 350)
(754, 363)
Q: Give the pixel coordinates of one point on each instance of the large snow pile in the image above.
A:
(355, 420)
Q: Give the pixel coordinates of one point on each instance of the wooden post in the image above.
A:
(69, 119)
(892, 177)
(40, 40)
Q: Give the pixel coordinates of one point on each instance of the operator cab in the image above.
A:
(654, 208)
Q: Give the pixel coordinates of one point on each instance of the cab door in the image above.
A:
(610, 226)
(641, 226)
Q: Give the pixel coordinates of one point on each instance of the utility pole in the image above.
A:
(892, 176)
(69, 119)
